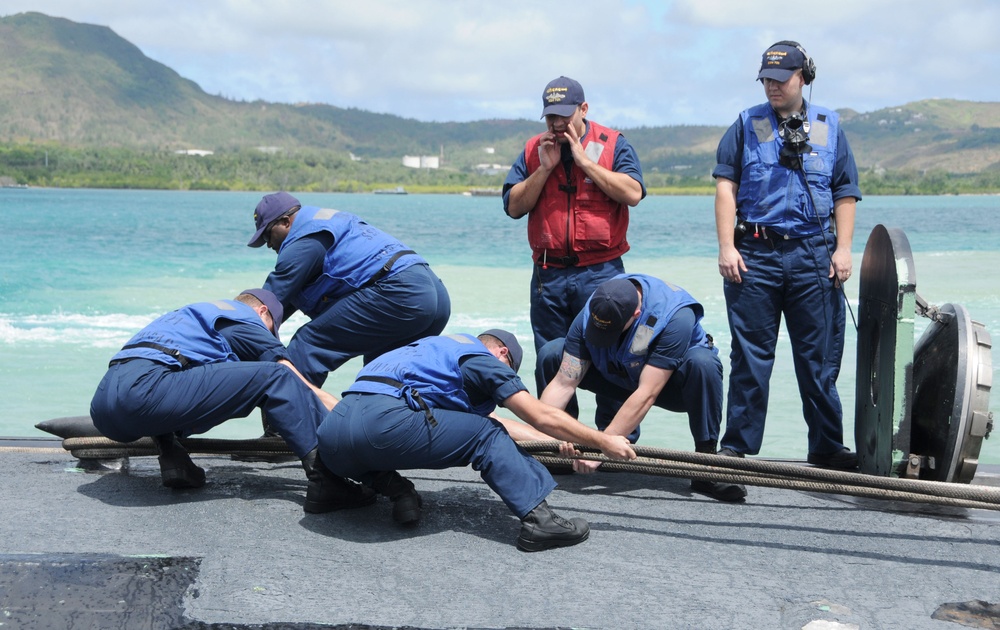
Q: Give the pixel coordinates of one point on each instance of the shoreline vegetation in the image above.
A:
(84, 108)
(59, 166)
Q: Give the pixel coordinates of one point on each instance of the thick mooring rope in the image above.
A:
(727, 475)
(103, 448)
(651, 461)
(763, 469)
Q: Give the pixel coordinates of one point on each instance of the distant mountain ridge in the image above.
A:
(82, 85)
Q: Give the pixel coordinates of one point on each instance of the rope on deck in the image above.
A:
(651, 461)
(761, 469)
(104, 448)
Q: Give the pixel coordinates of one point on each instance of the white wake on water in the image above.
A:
(75, 329)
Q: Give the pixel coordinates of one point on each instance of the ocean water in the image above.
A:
(82, 270)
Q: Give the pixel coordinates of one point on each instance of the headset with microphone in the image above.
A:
(808, 66)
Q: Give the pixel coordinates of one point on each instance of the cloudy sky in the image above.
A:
(641, 62)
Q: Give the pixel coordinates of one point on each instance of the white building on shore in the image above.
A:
(421, 161)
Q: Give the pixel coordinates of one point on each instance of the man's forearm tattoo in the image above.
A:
(573, 367)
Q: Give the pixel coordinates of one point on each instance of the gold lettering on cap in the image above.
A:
(555, 94)
(775, 57)
(600, 323)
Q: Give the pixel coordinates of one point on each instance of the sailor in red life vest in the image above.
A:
(575, 182)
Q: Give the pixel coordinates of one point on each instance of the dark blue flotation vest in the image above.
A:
(621, 364)
(359, 254)
(188, 336)
(775, 196)
(429, 367)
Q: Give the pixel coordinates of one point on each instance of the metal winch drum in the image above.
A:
(921, 411)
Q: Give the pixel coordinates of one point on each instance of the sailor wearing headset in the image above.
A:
(786, 194)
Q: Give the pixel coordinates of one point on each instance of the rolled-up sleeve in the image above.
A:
(298, 265)
(845, 171)
(517, 174)
(486, 377)
(729, 155)
(627, 161)
(251, 342)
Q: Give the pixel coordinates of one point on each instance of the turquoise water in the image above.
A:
(82, 270)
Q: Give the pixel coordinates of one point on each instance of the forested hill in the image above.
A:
(80, 86)
(83, 85)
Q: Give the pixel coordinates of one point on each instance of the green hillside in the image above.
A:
(83, 85)
(80, 106)
(946, 135)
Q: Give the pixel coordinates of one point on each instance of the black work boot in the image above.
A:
(720, 491)
(328, 492)
(843, 459)
(406, 502)
(176, 468)
(544, 529)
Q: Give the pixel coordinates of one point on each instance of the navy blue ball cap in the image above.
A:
(273, 305)
(611, 306)
(513, 347)
(270, 208)
(561, 97)
(780, 62)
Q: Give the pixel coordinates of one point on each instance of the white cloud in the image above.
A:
(641, 62)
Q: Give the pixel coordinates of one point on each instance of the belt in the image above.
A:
(145, 359)
(387, 267)
(173, 352)
(407, 391)
(760, 232)
(562, 261)
(122, 361)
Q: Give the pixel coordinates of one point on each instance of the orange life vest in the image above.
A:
(574, 222)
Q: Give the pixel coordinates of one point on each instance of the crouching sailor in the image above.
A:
(196, 367)
(364, 291)
(429, 405)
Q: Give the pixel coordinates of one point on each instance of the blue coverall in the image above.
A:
(398, 309)
(368, 433)
(694, 388)
(141, 397)
(788, 262)
(559, 293)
